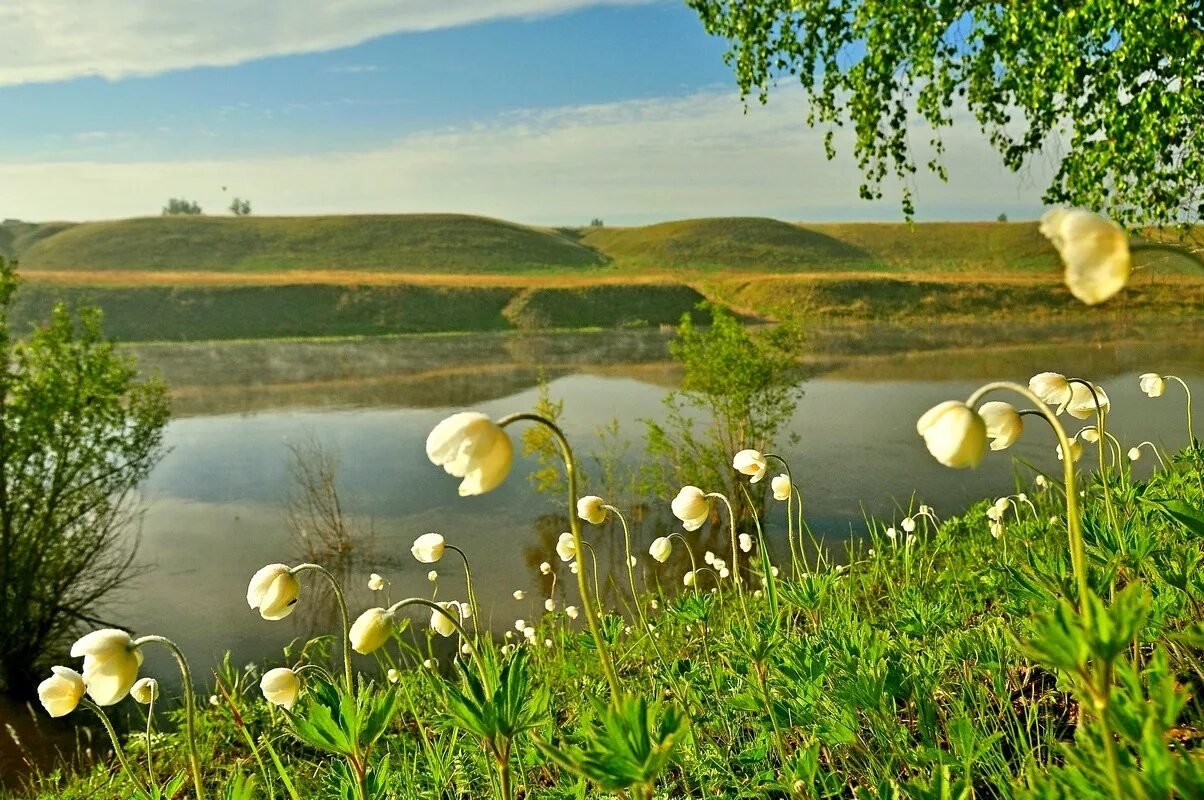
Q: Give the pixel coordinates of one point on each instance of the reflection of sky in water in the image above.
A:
(214, 511)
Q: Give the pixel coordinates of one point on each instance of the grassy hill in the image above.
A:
(395, 243)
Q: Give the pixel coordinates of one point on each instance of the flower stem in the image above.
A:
(117, 749)
(635, 595)
(472, 596)
(790, 514)
(452, 618)
(1103, 465)
(689, 552)
(766, 564)
(1191, 436)
(194, 761)
(570, 471)
(1074, 526)
(342, 600)
(731, 514)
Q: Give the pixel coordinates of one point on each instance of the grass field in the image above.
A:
(220, 278)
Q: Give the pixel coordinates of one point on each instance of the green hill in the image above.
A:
(401, 243)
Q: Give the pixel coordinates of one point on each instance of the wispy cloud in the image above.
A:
(353, 69)
(628, 162)
(52, 40)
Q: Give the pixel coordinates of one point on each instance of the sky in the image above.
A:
(549, 112)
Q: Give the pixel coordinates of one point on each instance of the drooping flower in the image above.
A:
(750, 463)
(781, 487)
(1052, 388)
(280, 687)
(1090, 434)
(519, 594)
(1094, 250)
(1134, 453)
(688, 579)
(393, 676)
(111, 664)
(746, 543)
(590, 509)
(566, 547)
(376, 582)
(571, 612)
(1004, 423)
(549, 605)
(432, 576)
(371, 630)
(1153, 384)
(428, 548)
(274, 591)
(443, 626)
(145, 691)
(471, 446)
(545, 568)
(908, 524)
(661, 549)
(1076, 450)
(1083, 400)
(691, 507)
(708, 557)
(954, 433)
(61, 692)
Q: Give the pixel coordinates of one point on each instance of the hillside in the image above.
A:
(413, 243)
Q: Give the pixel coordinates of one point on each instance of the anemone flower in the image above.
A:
(471, 446)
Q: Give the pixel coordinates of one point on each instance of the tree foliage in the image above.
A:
(78, 433)
(1118, 84)
(179, 206)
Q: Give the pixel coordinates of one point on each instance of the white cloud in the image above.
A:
(52, 40)
(627, 162)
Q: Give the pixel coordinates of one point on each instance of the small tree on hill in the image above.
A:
(240, 207)
(178, 206)
(78, 433)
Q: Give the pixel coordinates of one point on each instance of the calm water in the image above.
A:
(214, 505)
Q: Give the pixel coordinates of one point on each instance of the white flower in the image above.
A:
(111, 663)
(908, 524)
(145, 691)
(1083, 400)
(691, 507)
(274, 591)
(471, 446)
(466, 649)
(1134, 453)
(746, 543)
(999, 508)
(1094, 250)
(724, 572)
(545, 568)
(1089, 434)
(688, 578)
(213, 701)
(996, 528)
(750, 463)
(280, 687)
(547, 642)
(393, 676)
(955, 435)
(632, 561)
(1052, 388)
(375, 582)
(566, 547)
(773, 571)
(708, 557)
(891, 533)
(1076, 450)
(1004, 423)
(519, 594)
(549, 605)
(781, 487)
(507, 649)
(519, 624)
(573, 567)
(571, 612)
(529, 633)
(590, 509)
(61, 692)
(371, 630)
(1152, 384)
(430, 663)
(428, 548)
(661, 549)
(432, 576)
(1041, 481)
(440, 623)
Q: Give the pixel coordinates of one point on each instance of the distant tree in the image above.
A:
(596, 222)
(240, 207)
(1002, 218)
(178, 206)
(78, 433)
(1118, 86)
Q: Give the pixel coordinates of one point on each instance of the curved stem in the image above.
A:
(338, 593)
(117, 749)
(570, 471)
(1078, 555)
(1154, 449)
(731, 514)
(1103, 466)
(689, 552)
(150, 753)
(452, 618)
(1191, 436)
(789, 512)
(766, 564)
(593, 557)
(472, 596)
(635, 595)
(194, 761)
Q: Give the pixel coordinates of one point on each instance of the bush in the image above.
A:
(77, 435)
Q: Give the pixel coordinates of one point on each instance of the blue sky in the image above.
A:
(542, 111)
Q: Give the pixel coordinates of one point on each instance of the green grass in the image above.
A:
(391, 243)
(925, 668)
